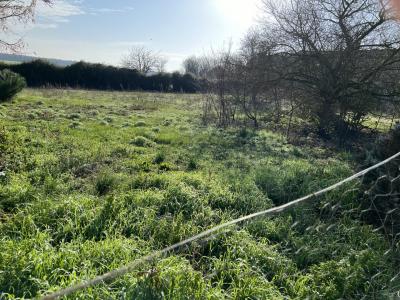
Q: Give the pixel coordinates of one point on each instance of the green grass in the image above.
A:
(383, 124)
(94, 180)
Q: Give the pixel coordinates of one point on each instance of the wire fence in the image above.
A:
(378, 192)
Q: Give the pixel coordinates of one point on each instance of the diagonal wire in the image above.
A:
(133, 265)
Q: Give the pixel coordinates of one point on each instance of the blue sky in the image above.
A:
(103, 30)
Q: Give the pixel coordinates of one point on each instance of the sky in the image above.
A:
(103, 31)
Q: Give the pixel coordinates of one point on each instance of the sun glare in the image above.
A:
(241, 12)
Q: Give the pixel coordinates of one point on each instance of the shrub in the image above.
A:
(383, 185)
(192, 164)
(74, 116)
(140, 124)
(10, 84)
(165, 166)
(141, 141)
(159, 158)
(390, 144)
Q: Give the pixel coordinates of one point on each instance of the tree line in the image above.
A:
(330, 63)
(102, 77)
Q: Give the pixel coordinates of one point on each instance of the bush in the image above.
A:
(140, 124)
(164, 166)
(10, 84)
(383, 186)
(192, 164)
(389, 145)
(159, 158)
(141, 141)
(74, 116)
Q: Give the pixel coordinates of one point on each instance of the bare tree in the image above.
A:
(161, 62)
(343, 54)
(240, 86)
(259, 84)
(221, 81)
(191, 65)
(16, 11)
(144, 60)
(199, 66)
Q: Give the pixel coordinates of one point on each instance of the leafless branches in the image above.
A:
(331, 62)
(342, 53)
(16, 11)
(144, 60)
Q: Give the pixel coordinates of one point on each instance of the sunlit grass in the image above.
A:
(94, 180)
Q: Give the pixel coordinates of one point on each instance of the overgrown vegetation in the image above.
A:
(326, 64)
(140, 172)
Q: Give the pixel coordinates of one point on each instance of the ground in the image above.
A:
(90, 181)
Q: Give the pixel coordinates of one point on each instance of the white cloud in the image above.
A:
(106, 10)
(45, 25)
(59, 12)
(60, 9)
(47, 16)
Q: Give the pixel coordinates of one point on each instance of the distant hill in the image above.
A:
(16, 58)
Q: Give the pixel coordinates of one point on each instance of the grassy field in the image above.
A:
(90, 181)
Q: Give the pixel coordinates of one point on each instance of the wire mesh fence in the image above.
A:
(340, 241)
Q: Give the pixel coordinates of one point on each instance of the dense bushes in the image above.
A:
(381, 201)
(10, 84)
(97, 76)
